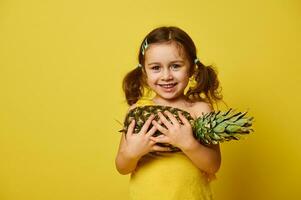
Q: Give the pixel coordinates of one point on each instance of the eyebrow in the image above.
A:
(175, 61)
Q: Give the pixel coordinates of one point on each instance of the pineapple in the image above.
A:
(211, 128)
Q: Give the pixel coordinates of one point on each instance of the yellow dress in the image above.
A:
(168, 176)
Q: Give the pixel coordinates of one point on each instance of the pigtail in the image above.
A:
(132, 85)
(207, 85)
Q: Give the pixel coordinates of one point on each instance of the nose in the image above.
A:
(166, 74)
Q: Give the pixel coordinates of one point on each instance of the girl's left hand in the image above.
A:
(176, 134)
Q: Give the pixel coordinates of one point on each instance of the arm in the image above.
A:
(206, 158)
(124, 162)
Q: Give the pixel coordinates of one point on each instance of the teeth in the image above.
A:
(167, 85)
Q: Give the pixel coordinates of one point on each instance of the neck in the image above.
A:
(170, 102)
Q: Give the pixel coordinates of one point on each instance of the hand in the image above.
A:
(176, 134)
(139, 144)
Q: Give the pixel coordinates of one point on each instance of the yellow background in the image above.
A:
(61, 67)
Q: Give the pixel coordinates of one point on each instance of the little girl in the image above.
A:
(167, 62)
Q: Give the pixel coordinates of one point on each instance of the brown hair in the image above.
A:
(207, 84)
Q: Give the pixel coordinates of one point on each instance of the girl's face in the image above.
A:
(167, 70)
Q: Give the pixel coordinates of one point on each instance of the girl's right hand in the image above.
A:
(139, 144)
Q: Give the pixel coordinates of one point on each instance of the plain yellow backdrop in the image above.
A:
(61, 67)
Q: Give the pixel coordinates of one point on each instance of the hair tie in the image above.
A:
(144, 46)
(196, 61)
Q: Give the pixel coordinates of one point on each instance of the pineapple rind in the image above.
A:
(212, 128)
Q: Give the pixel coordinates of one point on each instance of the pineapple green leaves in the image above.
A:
(211, 128)
(216, 127)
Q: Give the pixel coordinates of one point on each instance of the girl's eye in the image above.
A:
(175, 66)
(156, 67)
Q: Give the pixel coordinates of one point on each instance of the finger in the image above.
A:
(131, 128)
(159, 136)
(183, 119)
(159, 148)
(159, 127)
(160, 139)
(164, 120)
(171, 117)
(151, 131)
(146, 124)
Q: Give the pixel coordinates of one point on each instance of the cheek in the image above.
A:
(151, 81)
(151, 77)
(183, 76)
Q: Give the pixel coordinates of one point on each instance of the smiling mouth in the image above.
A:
(168, 86)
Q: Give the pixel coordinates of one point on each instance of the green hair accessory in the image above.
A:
(144, 46)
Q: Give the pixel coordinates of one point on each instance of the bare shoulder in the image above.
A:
(200, 108)
(132, 107)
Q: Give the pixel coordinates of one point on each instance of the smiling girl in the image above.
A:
(167, 61)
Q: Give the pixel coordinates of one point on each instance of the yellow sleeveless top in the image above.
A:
(167, 176)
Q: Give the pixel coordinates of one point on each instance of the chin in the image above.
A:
(169, 96)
